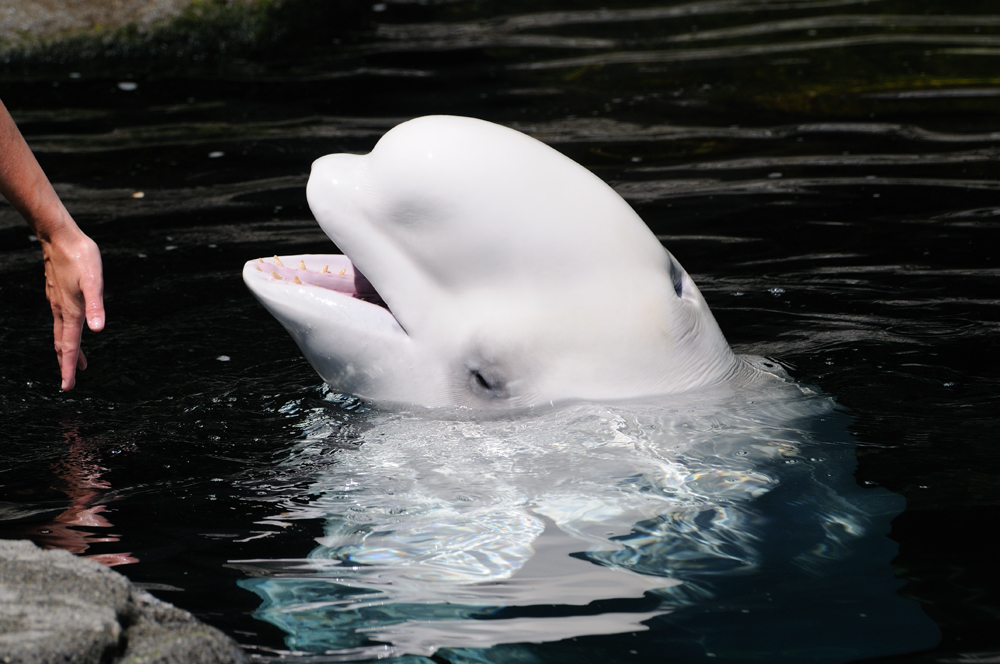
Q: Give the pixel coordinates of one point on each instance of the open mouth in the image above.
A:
(334, 272)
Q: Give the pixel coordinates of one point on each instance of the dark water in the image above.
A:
(826, 170)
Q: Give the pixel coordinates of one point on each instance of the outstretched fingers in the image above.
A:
(67, 330)
(75, 288)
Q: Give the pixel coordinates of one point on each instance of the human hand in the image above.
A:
(74, 286)
(73, 279)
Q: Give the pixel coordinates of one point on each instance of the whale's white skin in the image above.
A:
(512, 276)
(437, 523)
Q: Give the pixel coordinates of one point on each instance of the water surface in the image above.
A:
(827, 172)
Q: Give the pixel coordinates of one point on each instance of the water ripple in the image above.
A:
(120, 201)
(836, 21)
(601, 16)
(580, 130)
(970, 156)
(743, 51)
(200, 133)
(651, 190)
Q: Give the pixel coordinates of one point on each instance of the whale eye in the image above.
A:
(481, 381)
(486, 385)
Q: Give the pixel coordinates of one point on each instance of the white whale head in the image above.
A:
(483, 268)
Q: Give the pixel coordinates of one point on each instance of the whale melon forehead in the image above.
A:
(471, 201)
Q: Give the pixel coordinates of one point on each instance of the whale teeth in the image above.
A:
(260, 260)
(275, 275)
(297, 281)
(258, 268)
(326, 268)
(343, 272)
(302, 265)
(277, 261)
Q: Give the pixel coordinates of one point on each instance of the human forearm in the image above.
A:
(24, 185)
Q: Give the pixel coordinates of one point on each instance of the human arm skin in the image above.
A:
(74, 283)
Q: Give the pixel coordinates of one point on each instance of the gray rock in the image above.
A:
(52, 18)
(55, 607)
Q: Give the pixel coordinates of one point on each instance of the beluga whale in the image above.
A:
(671, 488)
(482, 268)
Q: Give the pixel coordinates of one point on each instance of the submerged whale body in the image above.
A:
(716, 523)
(483, 268)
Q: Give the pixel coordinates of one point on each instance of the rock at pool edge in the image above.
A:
(55, 607)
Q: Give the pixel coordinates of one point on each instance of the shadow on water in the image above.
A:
(825, 170)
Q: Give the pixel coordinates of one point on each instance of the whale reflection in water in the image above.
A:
(709, 521)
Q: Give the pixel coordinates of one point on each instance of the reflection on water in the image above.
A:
(79, 477)
(588, 519)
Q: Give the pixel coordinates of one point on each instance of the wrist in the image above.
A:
(53, 224)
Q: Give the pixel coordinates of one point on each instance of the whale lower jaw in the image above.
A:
(339, 322)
